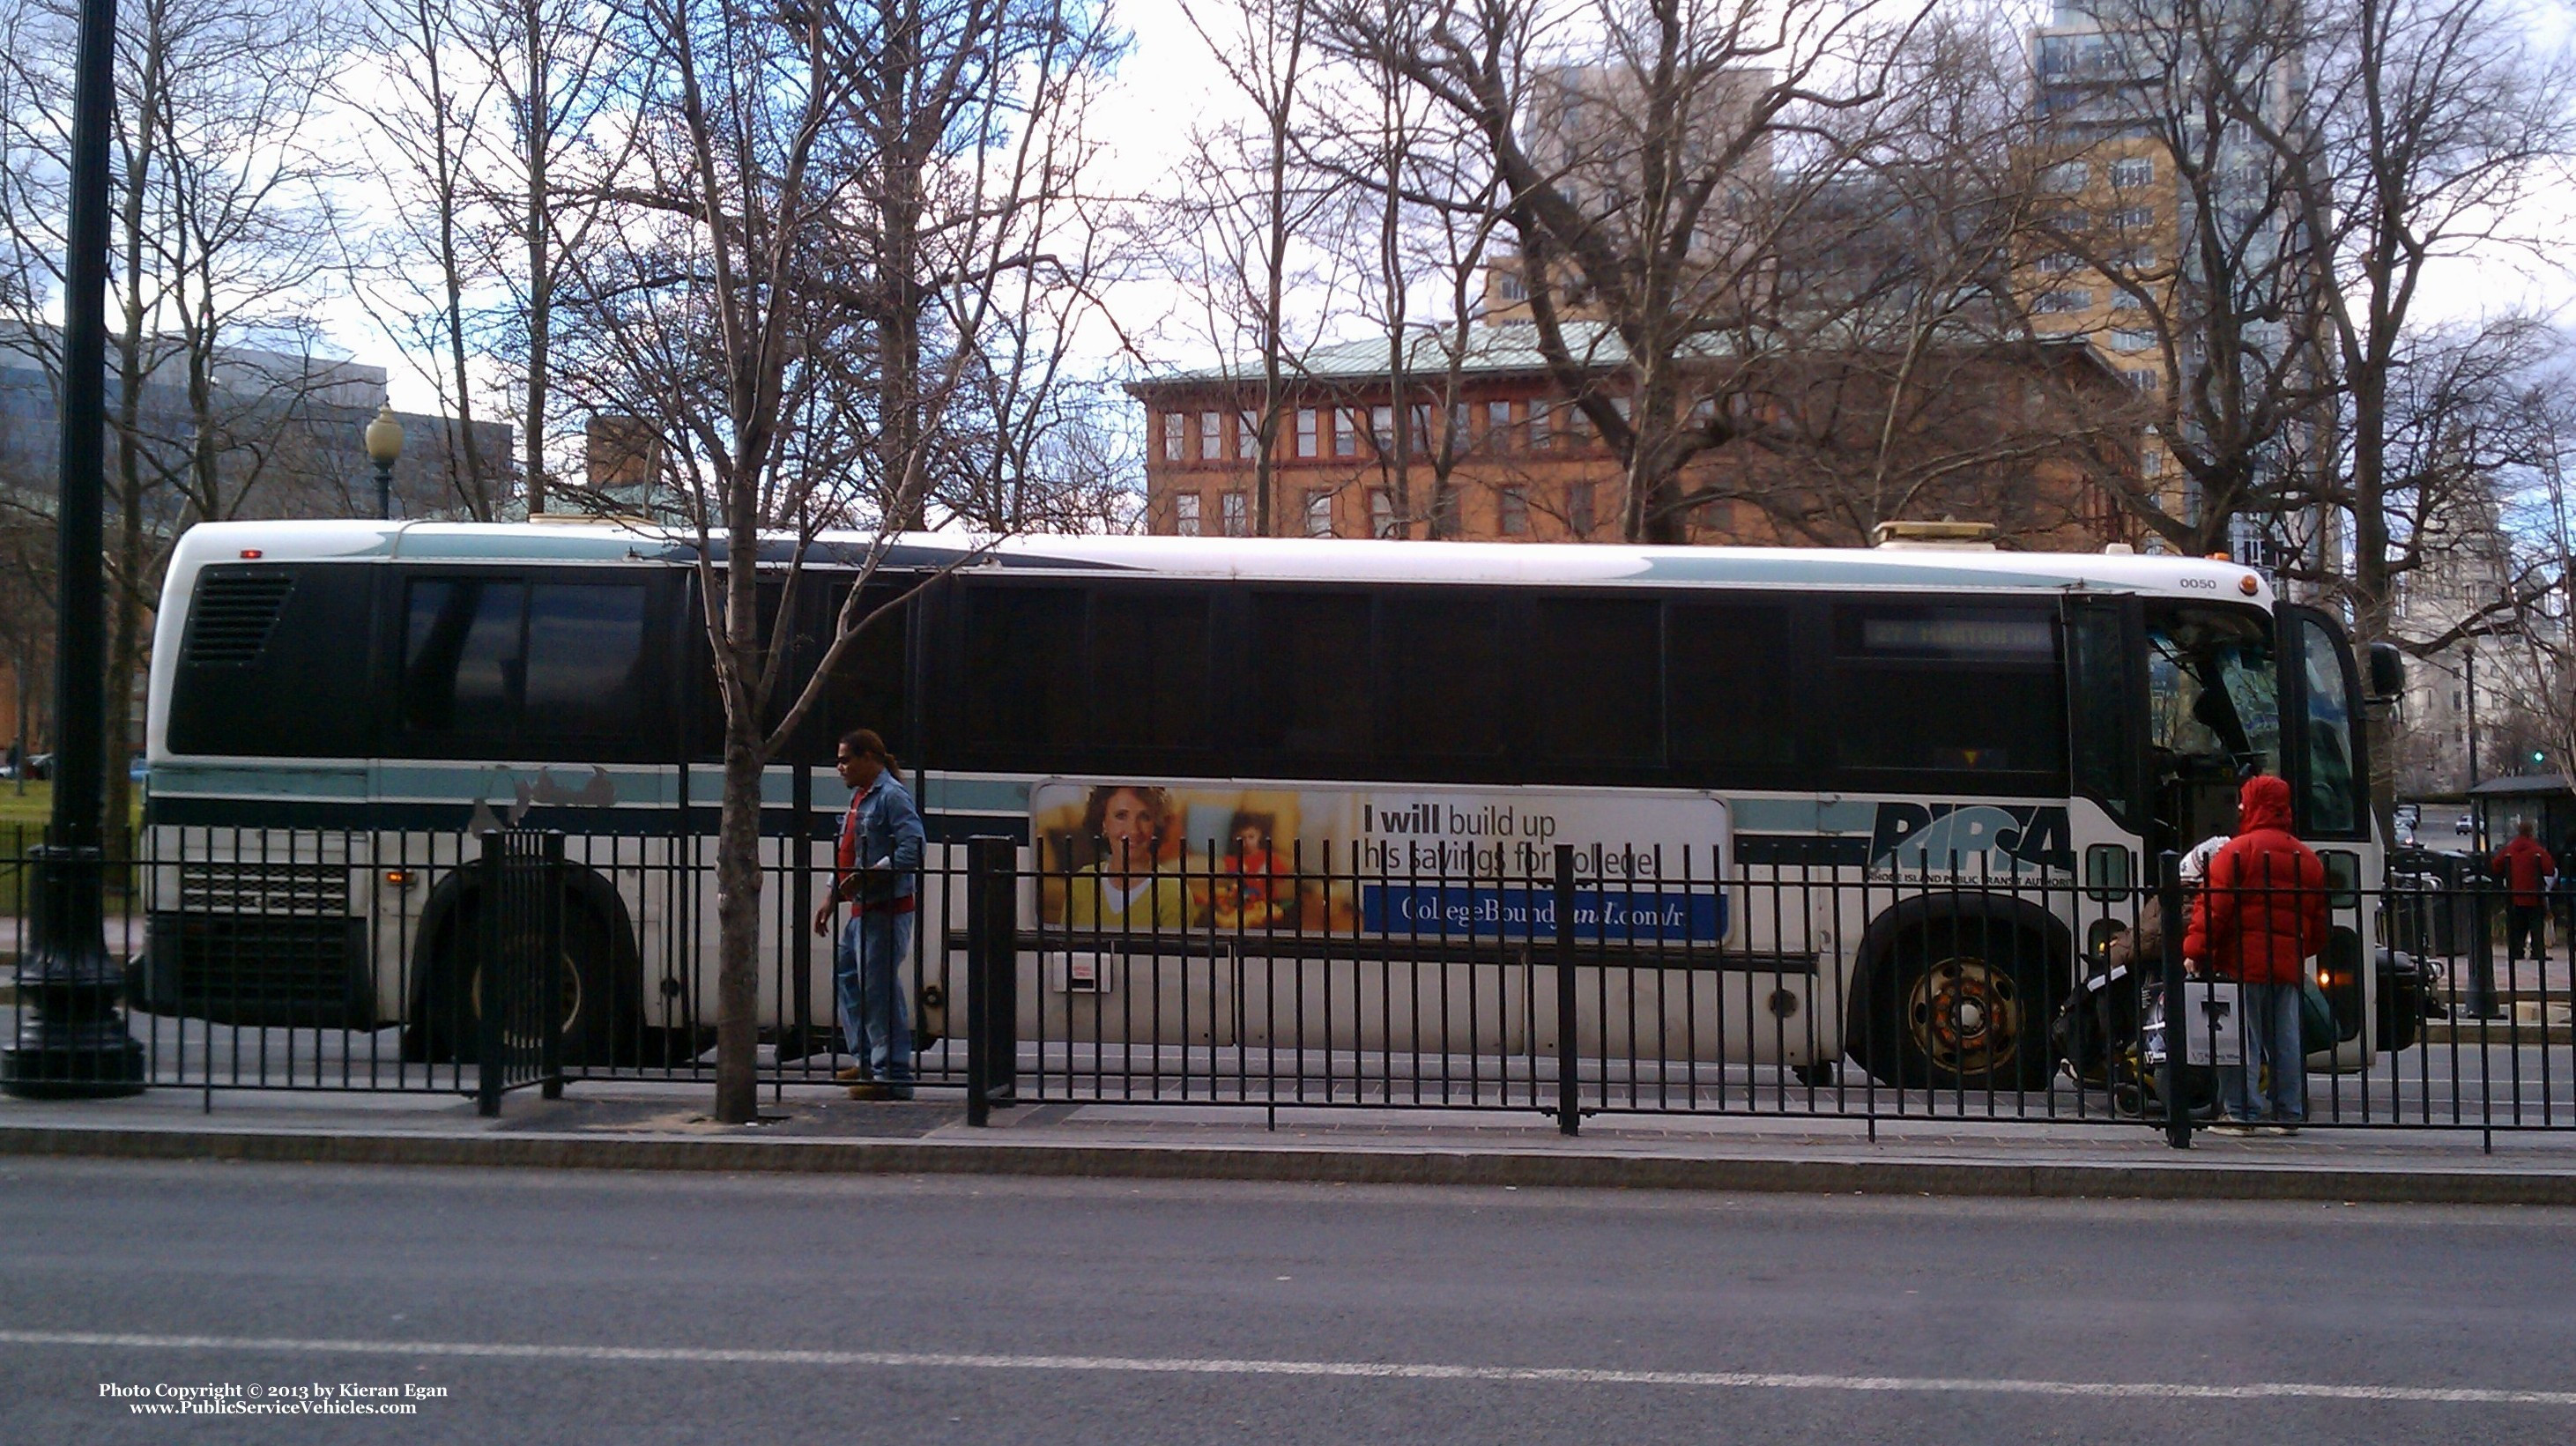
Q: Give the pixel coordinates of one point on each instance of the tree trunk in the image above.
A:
(738, 931)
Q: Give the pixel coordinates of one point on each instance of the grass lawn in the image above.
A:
(32, 807)
(23, 817)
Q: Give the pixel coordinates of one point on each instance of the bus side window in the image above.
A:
(1149, 670)
(461, 655)
(1441, 652)
(869, 689)
(1307, 663)
(585, 659)
(1948, 690)
(1023, 660)
(532, 671)
(1730, 686)
(1595, 681)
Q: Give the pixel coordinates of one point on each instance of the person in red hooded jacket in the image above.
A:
(2526, 870)
(2258, 918)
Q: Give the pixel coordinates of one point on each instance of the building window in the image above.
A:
(1512, 509)
(2135, 218)
(1382, 427)
(1444, 513)
(1237, 514)
(1461, 428)
(1498, 425)
(1509, 286)
(2151, 463)
(2058, 263)
(2133, 341)
(1173, 426)
(2053, 302)
(1306, 433)
(1578, 509)
(1319, 513)
(2134, 172)
(1419, 444)
(1382, 513)
(1247, 435)
(1211, 436)
(2144, 381)
(2134, 258)
(1539, 428)
(1185, 514)
(2067, 178)
(1346, 433)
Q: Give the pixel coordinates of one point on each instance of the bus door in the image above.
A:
(2326, 761)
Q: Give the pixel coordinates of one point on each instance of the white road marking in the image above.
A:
(1364, 1370)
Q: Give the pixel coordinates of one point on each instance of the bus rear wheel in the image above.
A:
(1960, 1003)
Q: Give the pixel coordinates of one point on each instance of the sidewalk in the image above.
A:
(638, 1125)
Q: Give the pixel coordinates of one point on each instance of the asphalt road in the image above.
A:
(584, 1307)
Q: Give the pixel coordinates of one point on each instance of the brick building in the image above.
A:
(1477, 442)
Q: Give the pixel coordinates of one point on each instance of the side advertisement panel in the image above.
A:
(1354, 859)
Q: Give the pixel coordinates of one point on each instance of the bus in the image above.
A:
(334, 701)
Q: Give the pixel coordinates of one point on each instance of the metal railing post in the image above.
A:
(486, 994)
(549, 1000)
(991, 916)
(2177, 1020)
(1569, 1118)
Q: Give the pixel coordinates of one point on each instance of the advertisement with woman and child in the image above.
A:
(1137, 857)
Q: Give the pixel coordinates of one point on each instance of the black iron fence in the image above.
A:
(1601, 981)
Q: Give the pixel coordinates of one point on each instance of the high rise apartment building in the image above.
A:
(2124, 227)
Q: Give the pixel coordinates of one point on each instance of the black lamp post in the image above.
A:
(384, 447)
(71, 1038)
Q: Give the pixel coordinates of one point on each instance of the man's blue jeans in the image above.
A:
(2271, 1032)
(867, 974)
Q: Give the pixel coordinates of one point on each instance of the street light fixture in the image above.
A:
(384, 447)
(70, 1037)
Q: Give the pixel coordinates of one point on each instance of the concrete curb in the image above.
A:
(1334, 1164)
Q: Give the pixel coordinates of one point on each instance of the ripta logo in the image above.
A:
(1967, 840)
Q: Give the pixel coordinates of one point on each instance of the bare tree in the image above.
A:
(224, 240)
(2424, 131)
(1636, 144)
(798, 295)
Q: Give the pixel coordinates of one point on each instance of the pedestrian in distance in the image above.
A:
(874, 869)
(2526, 870)
(2259, 917)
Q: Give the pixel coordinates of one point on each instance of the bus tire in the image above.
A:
(602, 1016)
(1959, 998)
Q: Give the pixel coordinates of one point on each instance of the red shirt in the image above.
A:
(2524, 866)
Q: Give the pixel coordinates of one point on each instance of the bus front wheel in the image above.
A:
(1957, 1003)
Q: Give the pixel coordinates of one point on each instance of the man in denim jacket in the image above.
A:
(874, 868)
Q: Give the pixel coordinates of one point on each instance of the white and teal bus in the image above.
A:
(1892, 730)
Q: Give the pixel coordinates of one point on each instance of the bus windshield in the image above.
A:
(2214, 705)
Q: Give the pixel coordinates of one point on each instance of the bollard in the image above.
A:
(1569, 1118)
(2177, 1026)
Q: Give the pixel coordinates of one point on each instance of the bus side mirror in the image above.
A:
(2387, 673)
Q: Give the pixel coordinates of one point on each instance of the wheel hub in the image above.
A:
(1965, 1016)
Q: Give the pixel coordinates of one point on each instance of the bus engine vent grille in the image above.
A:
(233, 617)
(240, 888)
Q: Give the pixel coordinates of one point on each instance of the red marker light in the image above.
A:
(250, 553)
